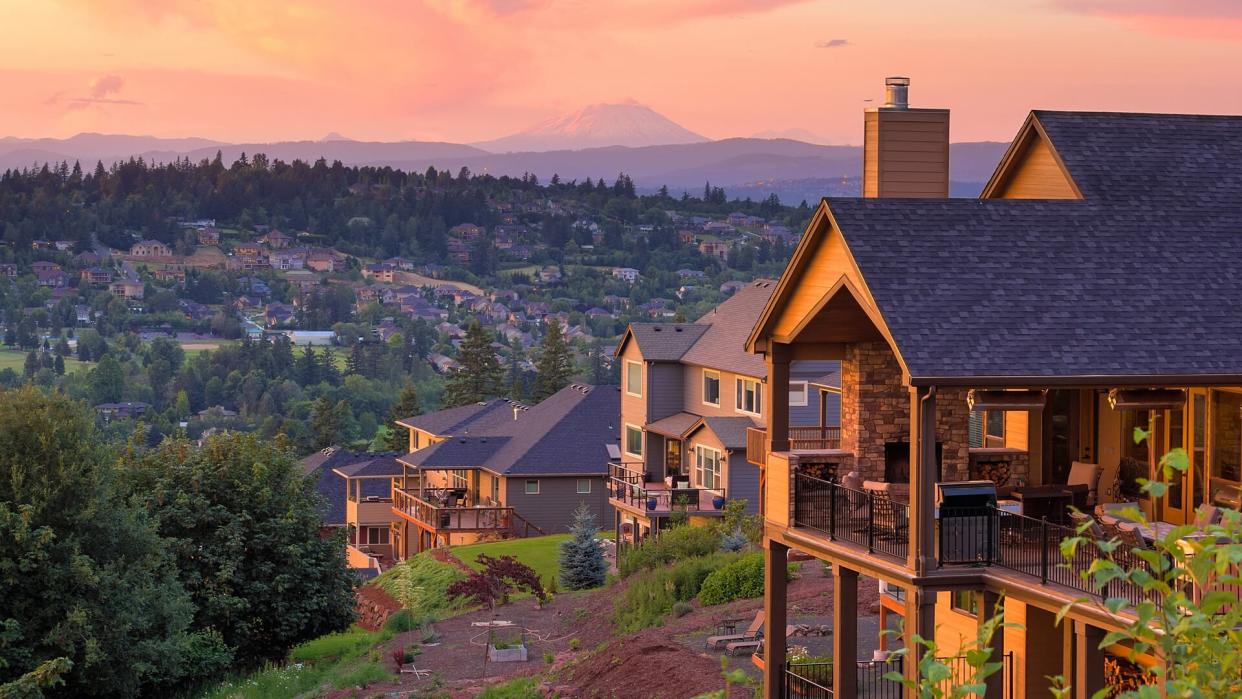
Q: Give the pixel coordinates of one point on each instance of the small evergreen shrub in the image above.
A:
(741, 579)
(582, 560)
(734, 541)
(681, 609)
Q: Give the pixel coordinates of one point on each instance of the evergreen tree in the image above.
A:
(478, 376)
(306, 368)
(107, 380)
(353, 363)
(325, 422)
(556, 363)
(62, 347)
(32, 363)
(407, 405)
(59, 365)
(516, 388)
(582, 560)
(327, 367)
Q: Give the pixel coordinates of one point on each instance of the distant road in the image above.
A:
(416, 279)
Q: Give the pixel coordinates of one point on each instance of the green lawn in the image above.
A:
(538, 552)
(16, 360)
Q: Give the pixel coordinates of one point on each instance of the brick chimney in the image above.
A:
(905, 151)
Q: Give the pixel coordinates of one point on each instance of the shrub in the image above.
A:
(549, 657)
(652, 594)
(399, 621)
(335, 646)
(681, 609)
(676, 544)
(734, 541)
(498, 579)
(362, 676)
(574, 644)
(741, 579)
(582, 560)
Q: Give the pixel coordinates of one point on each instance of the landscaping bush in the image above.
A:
(335, 646)
(741, 579)
(682, 608)
(652, 594)
(498, 579)
(400, 621)
(676, 544)
(362, 676)
(524, 688)
(582, 564)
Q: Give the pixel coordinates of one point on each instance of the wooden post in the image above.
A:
(1088, 660)
(922, 555)
(844, 631)
(776, 560)
(921, 620)
(991, 605)
(776, 402)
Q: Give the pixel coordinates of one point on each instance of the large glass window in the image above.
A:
(706, 467)
(798, 393)
(1226, 435)
(749, 396)
(634, 378)
(1199, 446)
(711, 387)
(633, 440)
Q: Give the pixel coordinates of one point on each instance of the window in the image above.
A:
(375, 536)
(994, 428)
(798, 393)
(634, 378)
(584, 486)
(966, 602)
(711, 387)
(532, 487)
(749, 396)
(1225, 436)
(633, 441)
(706, 467)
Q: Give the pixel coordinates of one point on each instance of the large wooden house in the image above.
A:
(693, 411)
(1016, 338)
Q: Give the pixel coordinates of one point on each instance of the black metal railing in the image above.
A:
(814, 680)
(867, 518)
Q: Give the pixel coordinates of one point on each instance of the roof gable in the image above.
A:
(1031, 169)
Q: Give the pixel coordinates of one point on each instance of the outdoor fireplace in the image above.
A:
(897, 461)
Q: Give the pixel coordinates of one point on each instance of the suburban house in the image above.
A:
(128, 288)
(691, 398)
(150, 248)
(996, 354)
(357, 494)
(380, 271)
(501, 468)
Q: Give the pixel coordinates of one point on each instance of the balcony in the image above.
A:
(867, 518)
(629, 488)
(813, 680)
(801, 438)
(435, 513)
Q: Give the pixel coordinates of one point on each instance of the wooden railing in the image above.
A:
(452, 518)
(805, 437)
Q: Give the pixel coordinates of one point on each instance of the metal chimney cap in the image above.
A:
(896, 92)
(897, 80)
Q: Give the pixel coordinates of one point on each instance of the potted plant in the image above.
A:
(718, 502)
(651, 503)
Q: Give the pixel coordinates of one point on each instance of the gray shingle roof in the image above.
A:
(1128, 156)
(566, 434)
(723, 345)
(1006, 288)
(664, 342)
(731, 431)
(451, 421)
(331, 486)
(674, 425)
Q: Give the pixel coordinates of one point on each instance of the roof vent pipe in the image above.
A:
(896, 92)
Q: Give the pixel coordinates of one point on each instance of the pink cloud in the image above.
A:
(1198, 19)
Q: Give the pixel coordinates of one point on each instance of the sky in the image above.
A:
(472, 70)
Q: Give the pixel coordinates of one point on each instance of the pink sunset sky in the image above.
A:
(469, 70)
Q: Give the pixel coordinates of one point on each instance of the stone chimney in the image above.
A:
(905, 151)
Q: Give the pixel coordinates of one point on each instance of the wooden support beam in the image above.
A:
(776, 401)
(776, 561)
(922, 556)
(991, 605)
(1088, 660)
(844, 631)
(921, 621)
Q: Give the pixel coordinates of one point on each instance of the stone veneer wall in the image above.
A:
(875, 410)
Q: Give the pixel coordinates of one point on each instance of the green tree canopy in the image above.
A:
(407, 405)
(479, 376)
(555, 368)
(244, 530)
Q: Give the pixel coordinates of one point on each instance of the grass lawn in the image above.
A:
(16, 360)
(538, 552)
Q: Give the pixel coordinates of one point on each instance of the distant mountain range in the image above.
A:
(597, 141)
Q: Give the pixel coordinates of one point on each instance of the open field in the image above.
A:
(16, 360)
(416, 279)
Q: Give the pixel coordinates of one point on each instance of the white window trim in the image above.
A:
(703, 387)
(739, 391)
(719, 472)
(625, 441)
(806, 394)
(526, 488)
(578, 486)
(629, 366)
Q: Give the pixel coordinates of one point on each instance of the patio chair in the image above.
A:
(1083, 473)
(755, 645)
(1095, 529)
(890, 521)
(752, 632)
(1131, 537)
(1206, 516)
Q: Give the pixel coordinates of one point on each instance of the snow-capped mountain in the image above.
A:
(626, 123)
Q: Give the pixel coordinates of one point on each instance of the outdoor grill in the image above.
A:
(969, 532)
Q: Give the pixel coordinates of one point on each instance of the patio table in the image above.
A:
(1044, 501)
